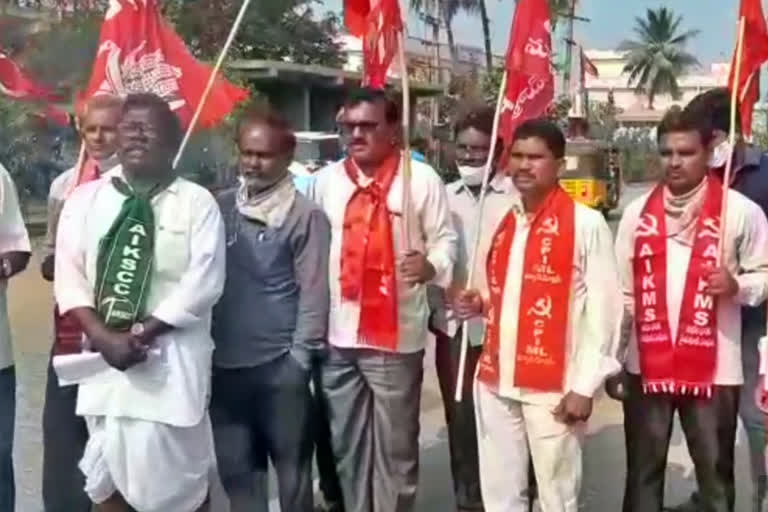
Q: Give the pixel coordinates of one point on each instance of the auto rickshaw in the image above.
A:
(592, 175)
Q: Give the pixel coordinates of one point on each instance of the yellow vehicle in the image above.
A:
(592, 175)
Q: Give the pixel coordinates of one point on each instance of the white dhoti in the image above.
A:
(505, 430)
(155, 467)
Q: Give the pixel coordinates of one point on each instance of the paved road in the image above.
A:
(30, 308)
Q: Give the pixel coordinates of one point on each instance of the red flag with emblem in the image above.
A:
(754, 53)
(530, 84)
(379, 23)
(140, 53)
(14, 82)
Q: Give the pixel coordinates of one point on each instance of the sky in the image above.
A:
(611, 22)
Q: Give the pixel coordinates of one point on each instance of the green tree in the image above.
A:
(288, 29)
(447, 11)
(657, 58)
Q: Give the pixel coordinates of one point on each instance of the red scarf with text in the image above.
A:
(688, 365)
(545, 293)
(368, 256)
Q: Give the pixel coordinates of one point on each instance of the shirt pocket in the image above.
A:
(171, 248)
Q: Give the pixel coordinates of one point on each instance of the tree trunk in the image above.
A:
(486, 35)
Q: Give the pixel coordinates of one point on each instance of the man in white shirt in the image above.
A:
(553, 308)
(473, 144)
(14, 256)
(684, 351)
(147, 313)
(378, 318)
(65, 433)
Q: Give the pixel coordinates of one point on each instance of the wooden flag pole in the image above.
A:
(406, 206)
(732, 142)
(212, 80)
(459, 392)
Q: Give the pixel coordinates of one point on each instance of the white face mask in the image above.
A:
(472, 176)
(720, 155)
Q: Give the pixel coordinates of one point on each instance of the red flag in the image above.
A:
(530, 85)
(587, 65)
(140, 52)
(754, 53)
(379, 24)
(355, 16)
(17, 84)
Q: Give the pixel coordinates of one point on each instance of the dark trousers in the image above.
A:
(709, 425)
(262, 413)
(753, 418)
(7, 419)
(326, 463)
(460, 418)
(64, 437)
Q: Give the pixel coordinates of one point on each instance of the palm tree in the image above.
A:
(658, 57)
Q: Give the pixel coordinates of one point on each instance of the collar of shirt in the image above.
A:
(500, 184)
(117, 172)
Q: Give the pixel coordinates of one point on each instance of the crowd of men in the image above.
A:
(199, 335)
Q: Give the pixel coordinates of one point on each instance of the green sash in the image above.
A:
(125, 258)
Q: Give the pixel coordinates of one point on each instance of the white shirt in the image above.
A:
(186, 281)
(13, 238)
(594, 315)
(61, 186)
(746, 258)
(464, 208)
(431, 233)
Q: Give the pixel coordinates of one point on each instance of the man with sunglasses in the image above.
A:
(378, 312)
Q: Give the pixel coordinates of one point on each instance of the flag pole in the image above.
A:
(406, 206)
(212, 80)
(459, 391)
(731, 141)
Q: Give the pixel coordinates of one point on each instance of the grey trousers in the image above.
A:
(709, 426)
(64, 438)
(374, 400)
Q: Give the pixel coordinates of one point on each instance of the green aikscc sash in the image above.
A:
(124, 261)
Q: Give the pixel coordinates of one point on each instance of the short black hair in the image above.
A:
(479, 118)
(715, 105)
(545, 130)
(266, 115)
(369, 95)
(169, 121)
(678, 120)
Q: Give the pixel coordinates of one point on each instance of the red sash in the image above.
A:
(368, 257)
(69, 335)
(544, 297)
(687, 366)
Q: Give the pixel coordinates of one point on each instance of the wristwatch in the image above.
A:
(137, 329)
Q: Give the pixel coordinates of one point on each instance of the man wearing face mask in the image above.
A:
(473, 145)
(271, 323)
(750, 177)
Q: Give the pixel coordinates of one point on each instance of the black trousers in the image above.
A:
(460, 418)
(64, 438)
(709, 425)
(261, 413)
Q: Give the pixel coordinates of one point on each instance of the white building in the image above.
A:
(635, 109)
